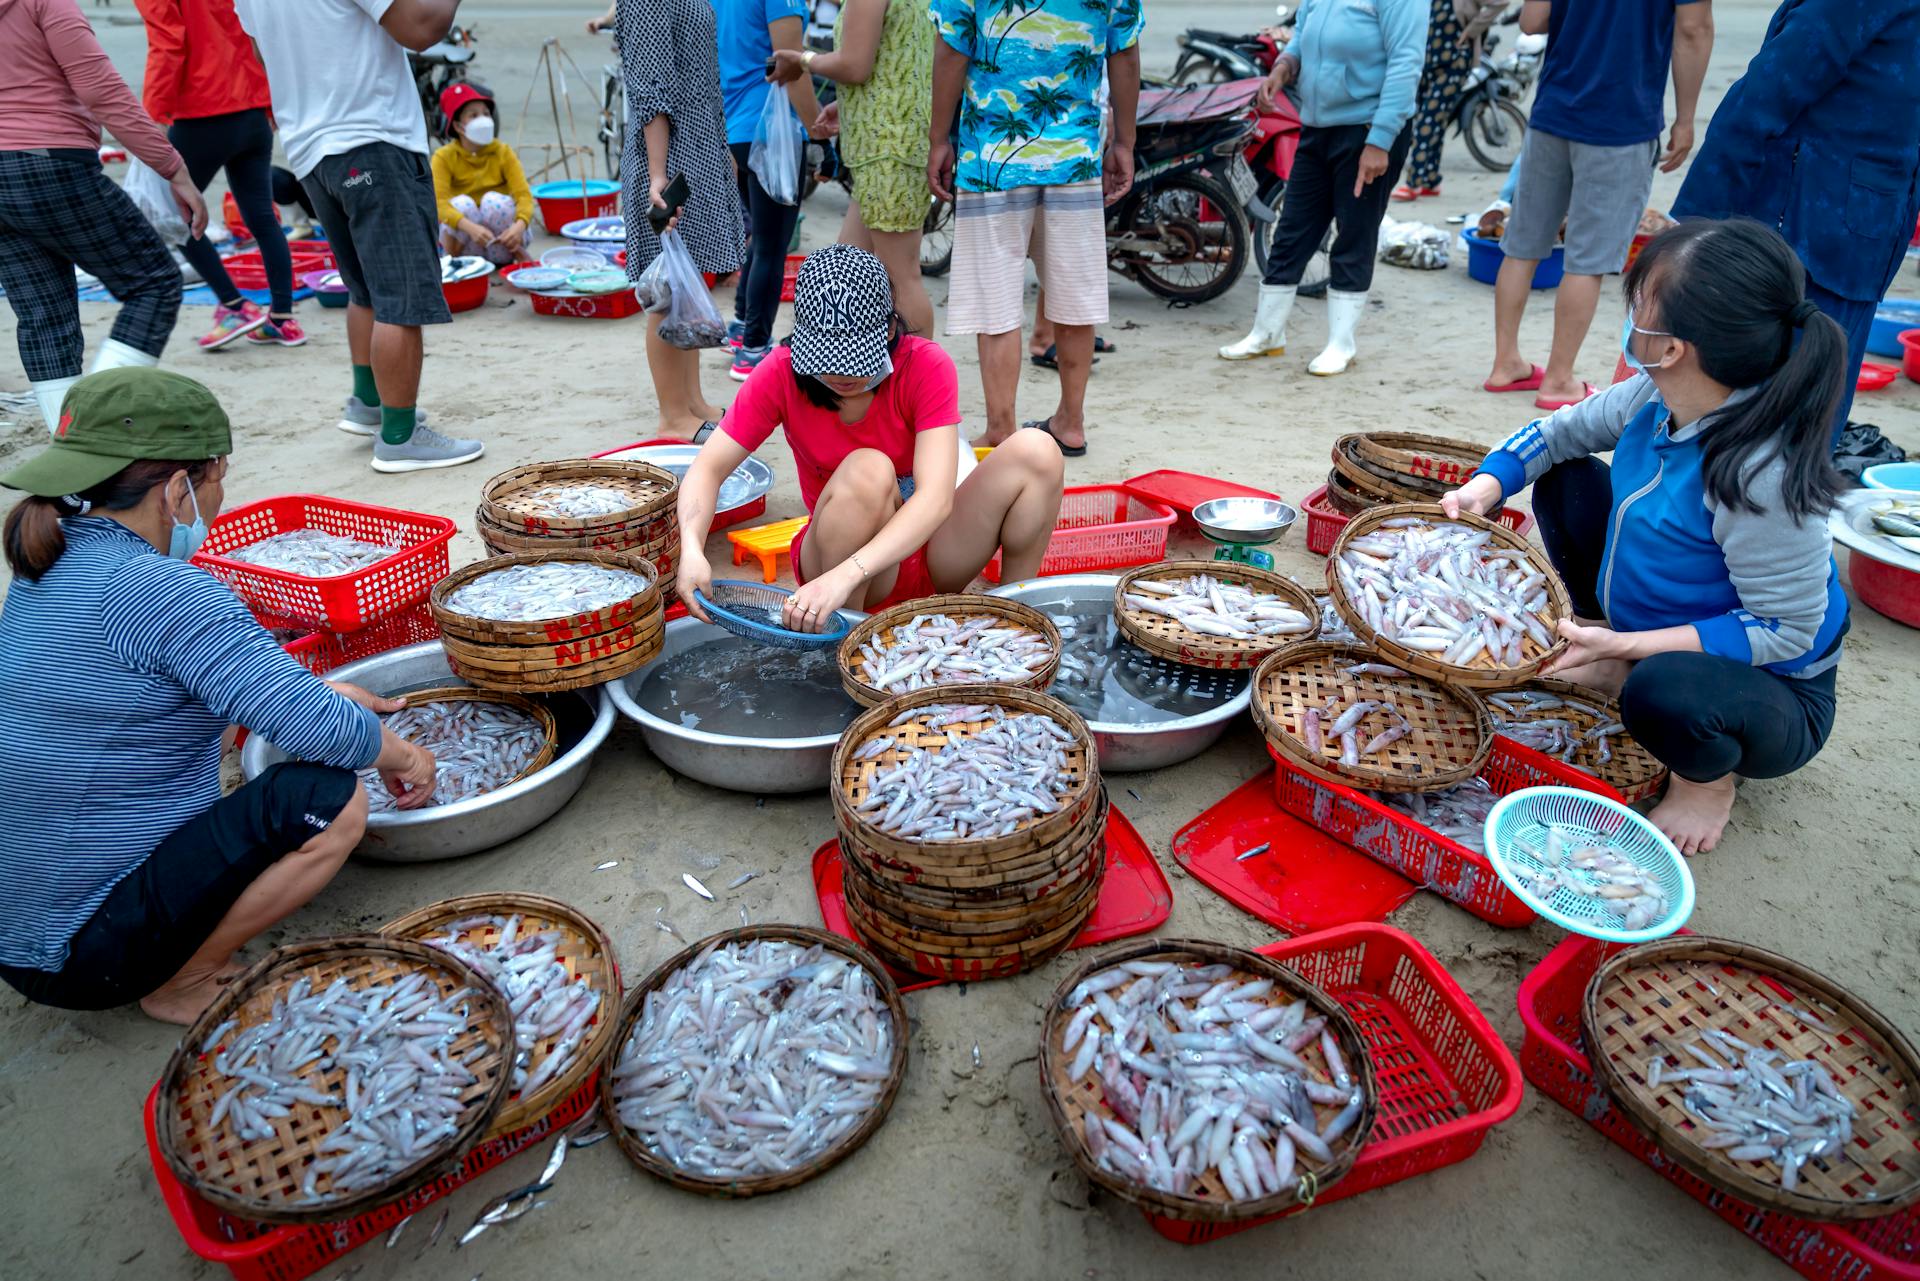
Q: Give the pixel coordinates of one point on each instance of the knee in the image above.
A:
(465, 206)
(865, 480)
(1663, 698)
(341, 836)
(1037, 456)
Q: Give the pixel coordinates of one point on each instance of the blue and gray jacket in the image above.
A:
(1360, 64)
(1759, 587)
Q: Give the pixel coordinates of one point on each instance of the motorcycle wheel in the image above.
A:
(1313, 283)
(1494, 129)
(1197, 215)
(1196, 69)
(936, 239)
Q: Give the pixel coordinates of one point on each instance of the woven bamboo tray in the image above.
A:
(1448, 744)
(879, 628)
(647, 1160)
(542, 715)
(1630, 769)
(549, 655)
(1068, 1102)
(1167, 638)
(1660, 994)
(586, 951)
(1440, 460)
(1481, 672)
(261, 1179)
(1380, 483)
(1344, 498)
(509, 505)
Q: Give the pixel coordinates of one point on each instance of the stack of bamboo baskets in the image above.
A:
(974, 908)
(551, 654)
(1374, 468)
(515, 513)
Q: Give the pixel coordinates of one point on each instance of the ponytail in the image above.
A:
(1737, 293)
(34, 538)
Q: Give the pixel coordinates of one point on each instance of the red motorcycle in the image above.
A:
(1269, 153)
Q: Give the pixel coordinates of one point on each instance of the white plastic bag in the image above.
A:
(692, 321)
(652, 289)
(1413, 244)
(775, 154)
(152, 195)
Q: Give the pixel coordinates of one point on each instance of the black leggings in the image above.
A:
(769, 230)
(241, 142)
(288, 191)
(1704, 716)
(1320, 194)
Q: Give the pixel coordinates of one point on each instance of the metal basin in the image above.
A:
(482, 822)
(1254, 521)
(759, 765)
(1129, 748)
(750, 480)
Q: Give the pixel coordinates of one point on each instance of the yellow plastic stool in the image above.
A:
(766, 543)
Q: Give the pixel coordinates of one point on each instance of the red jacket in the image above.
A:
(199, 61)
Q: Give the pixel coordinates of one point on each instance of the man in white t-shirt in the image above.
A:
(356, 137)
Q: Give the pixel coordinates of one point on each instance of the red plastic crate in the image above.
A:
(347, 602)
(1444, 1076)
(321, 652)
(1444, 866)
(287, 1252)
(1554, 1058)
(1324, 523)
(617, 305)
(790, 276)
(247, 271)
(1101, 527)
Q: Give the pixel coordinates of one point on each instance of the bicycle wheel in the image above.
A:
(613, 122)
(936, 239)
(1495, 130)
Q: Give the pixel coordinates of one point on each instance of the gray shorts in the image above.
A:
(377, 205)
(1600, 191)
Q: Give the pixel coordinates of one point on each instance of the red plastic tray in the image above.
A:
(1554, 1058)
(721, 520)
(274, 1252)
(790, 276)
(247, 271)
(321, 652)
(1101, 527)
(1443, 865)
(346, 602)
(1134, 898)
(1444, 1077)
(1185, 490)
(1324, 523)
(617, 305)
(1873, 377)
(1306, 880)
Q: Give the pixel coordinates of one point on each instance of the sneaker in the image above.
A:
(746, 362)
(363, 419)
(283, 333)
(427, 448)
(736, 334)
(232, 324)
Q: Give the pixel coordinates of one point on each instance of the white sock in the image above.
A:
(114, 354)
(50, 394)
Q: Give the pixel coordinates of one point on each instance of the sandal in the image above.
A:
(1543, 403)
(1046, 425)
(1048, 359)
(706, 430)
(1530, 383)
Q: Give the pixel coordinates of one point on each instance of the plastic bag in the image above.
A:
(152, 195)
(1413, 244)
(775, 154)
(652, 290)
(692, 321)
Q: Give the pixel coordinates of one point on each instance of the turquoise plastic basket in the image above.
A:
(1517, 832)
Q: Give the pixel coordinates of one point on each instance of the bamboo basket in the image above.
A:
(1167, 638)
(1448, 744)
(1344, 498)
(653, 1164)
(511, 518)
(586, 951)
(1630, 769)
(554, 654)
(1379, 484)
(878, 628)
(542, 715)
(1481, 672)
(1421, 459)
(261, 1179)
(1069, 1102)
(1660, 994)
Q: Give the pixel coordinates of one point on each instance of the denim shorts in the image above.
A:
(377, 205)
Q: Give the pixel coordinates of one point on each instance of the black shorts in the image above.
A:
(377, 205)
(161, 912)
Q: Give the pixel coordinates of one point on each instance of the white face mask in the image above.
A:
(479, 130)
(886, 371)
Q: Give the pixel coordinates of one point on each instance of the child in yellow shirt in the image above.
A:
(485, 204)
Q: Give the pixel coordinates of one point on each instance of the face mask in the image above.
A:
(886, 371)
(186, 539)
(1627, 330)
(479, 130)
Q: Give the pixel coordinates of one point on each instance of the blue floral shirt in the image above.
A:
(1030, 113)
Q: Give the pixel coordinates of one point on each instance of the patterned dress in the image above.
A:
(668, 60)
(883, 123)
(1449, 62)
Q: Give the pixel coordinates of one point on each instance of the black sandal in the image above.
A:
(1046, 425)
(706, 430)
(1049, 359)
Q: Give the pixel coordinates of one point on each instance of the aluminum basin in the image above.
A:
(1128, 748)
(585, 719)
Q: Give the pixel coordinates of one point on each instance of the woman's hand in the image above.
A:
(368, 699)
(657, 197)
(1286, 68)
(1481, 496)
(479, 235)
(811, 608)
(192, 208)
(788, 66)
(828, 123)
(514, 236)
(1589, 645)
(596, 25)
(1373, 163)
(412, 783)
(694, 575)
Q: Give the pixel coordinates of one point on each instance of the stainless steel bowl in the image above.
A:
(1125, 748)
(1244, 520)
(750, 480)
(759, 765)
(464, 827)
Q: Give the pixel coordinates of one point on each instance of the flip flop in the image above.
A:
(1530, 383)
(1541, 402)
(1102, 346)
(1046, 425)
(1048, 359)
(706, 430)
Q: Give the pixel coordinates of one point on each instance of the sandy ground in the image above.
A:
(967, 1178)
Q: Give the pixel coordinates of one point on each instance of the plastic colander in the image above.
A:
(752, 611)
(1517, 834)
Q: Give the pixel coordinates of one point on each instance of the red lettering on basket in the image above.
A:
(560, 629)
(536, 525)
(569, 655)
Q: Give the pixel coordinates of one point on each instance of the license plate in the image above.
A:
(1240, 178)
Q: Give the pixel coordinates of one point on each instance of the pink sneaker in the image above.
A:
(232, 324)
(280, 333)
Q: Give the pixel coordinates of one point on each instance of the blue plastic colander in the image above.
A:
(752, 610)
(1517, 834)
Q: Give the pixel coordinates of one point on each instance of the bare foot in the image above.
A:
(1607, 675)
(991, 439)
(182, 1003)
(1693, 815)
(1072, 436)
(1562, 389)
(1505, 375)
(681, 428)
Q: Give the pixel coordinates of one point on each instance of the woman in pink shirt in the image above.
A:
(872, 415)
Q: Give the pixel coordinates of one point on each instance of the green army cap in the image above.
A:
(121, 416)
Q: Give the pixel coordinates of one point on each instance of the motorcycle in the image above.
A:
(1219, 57)
(434, 68)
(1487, 115)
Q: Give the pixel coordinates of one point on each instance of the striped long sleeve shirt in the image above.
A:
(119, 671)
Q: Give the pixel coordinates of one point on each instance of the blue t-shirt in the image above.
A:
(745, 47)
(1604, 81)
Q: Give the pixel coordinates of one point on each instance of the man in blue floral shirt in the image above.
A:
(1027, 177)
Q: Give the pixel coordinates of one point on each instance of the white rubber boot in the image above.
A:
(1269, 336)
(50, 394)
(114, 354)
(1343, 314)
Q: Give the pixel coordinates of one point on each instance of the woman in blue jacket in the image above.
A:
(1354, 69)
(1704, 547)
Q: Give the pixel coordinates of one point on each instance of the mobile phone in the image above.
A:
(675, 195)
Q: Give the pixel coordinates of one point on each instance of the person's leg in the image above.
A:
(109, 238)
(201, 145)
(361, 413)
(676, 385)
(1573, 306)
(991, 235)
(1305, 215)
(288, 191)
(1546, 187)
(1010, 504)
(1355, 246)
(1572, 504)
(250, 176)
(857, 500)
(38, 280)
(1000, 381)
(454, 240)
(1069, 253)
(1857, 319)
(1043, 336)
(1608, 197)
(899, 252)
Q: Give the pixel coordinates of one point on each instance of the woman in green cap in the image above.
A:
(124, 874)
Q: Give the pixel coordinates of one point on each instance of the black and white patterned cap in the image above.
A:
(842, 313)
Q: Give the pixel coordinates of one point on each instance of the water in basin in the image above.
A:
(729, 685)
(1115, 682)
